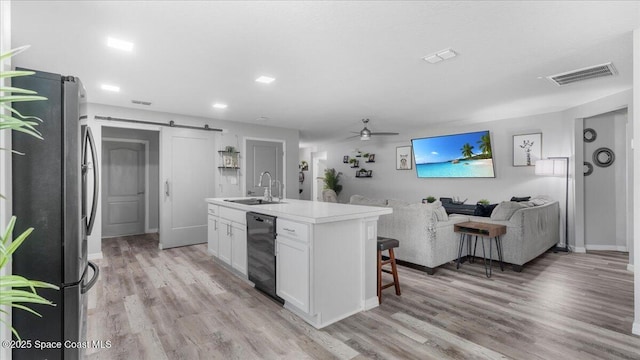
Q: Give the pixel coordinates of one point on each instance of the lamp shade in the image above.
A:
(551, 167)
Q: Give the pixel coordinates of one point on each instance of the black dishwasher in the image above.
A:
(261, 252)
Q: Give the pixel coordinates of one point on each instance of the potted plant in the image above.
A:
(331, 180)
(17, 291)
(483, 202)
(430, 199)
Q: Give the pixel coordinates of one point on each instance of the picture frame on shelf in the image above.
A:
(345, 159)
(527, 149)
(227, 160)
(403, 158)
(371, 158)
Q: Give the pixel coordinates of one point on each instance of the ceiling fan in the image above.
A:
(365, 134)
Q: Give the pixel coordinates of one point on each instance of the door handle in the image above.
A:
(215, 225)
(141, 193)
(166, 188)
(96, 273)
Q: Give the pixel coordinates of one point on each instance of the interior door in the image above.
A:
(263, 156)
(187, 179)
(123, 179)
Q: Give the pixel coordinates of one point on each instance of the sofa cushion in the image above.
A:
(363, 200)
(505, 210)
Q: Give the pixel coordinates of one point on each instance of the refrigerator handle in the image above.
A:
(96, 273)
(96, 180)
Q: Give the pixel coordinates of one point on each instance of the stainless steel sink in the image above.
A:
(253, 201)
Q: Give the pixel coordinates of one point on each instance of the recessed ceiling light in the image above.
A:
(439, 56)
(220, 106)
(112, 88)
(119, 44)
(432, 59)
(265, 79)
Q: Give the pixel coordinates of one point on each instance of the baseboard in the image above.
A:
(95, 256)
(578, 250)
(630, 267)
(371, 303)
(636, 328)
(151, 231)
(606, 248)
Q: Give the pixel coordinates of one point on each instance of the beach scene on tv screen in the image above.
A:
(459, 155)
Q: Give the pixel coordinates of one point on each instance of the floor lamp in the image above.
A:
(557, 166)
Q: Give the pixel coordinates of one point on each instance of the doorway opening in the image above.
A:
(130, 182)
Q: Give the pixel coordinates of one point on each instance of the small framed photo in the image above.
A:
(372, 158)
(227, 161)
(403, 158)
(527, 149)
(345, 159)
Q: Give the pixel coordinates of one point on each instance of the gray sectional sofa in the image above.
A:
(427, 240)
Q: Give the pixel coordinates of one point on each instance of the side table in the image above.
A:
(474, 228)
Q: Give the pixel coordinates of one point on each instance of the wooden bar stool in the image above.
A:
(387, 244)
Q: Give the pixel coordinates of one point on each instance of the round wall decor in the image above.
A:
(588, 168)
(589, 135)
(603, 157)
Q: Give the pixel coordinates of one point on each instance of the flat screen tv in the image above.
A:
(465, 155)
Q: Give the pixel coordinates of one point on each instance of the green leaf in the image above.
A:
(14, 52)
(16, 90)
(15, 73)
(21, 98)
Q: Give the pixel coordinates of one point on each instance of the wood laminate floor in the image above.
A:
(180, 304)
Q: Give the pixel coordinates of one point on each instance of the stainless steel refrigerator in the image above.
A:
(50, 194)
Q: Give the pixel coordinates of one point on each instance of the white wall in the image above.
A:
(635, 114)
(5, 167)
(233, 135)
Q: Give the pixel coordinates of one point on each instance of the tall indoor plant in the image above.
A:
(15, 290)
(332, 179)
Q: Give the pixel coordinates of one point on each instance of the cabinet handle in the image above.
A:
(166, 188)
(230, 230)
(289, 230)
(215, 224)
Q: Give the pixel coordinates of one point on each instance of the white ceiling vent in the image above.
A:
(590, 72)
(140, 102)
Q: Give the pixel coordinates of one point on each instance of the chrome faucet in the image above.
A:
(267, 191)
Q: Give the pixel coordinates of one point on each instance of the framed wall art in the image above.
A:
(403, 158)
(527, 149)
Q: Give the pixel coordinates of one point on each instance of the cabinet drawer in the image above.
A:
(292, 230)
(233, 215)
(212, 209)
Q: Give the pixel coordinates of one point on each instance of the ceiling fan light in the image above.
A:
(365, 134)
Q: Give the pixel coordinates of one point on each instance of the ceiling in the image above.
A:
(334, 62)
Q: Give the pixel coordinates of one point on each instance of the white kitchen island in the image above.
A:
(326, 253)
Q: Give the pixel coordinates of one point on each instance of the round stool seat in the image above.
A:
(387, 243)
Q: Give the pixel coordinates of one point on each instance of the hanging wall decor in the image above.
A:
(587, 169)
(589, 135)
(603, 157)
(527, 149)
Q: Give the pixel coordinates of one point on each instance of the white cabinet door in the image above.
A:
(224, 237)
(292, 272)
(213, 235)
(239, 247)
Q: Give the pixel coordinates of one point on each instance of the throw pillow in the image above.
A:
(505, 210)
(519, 199)
(484, 210)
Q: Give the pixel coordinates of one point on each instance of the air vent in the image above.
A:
(590, 72)
(140, 102)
